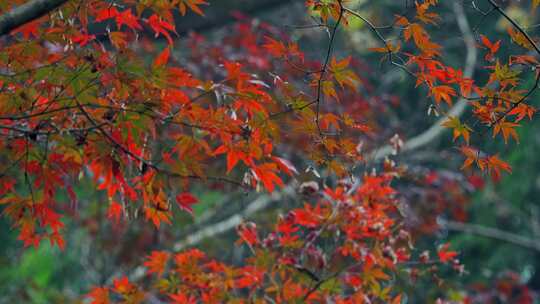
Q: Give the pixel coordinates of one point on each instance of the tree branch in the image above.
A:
(26, 13)
(515, 25)
(492, 233)
(457, 110)
(420, 140)
(231, 222)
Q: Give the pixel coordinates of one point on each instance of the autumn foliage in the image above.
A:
(97, 92)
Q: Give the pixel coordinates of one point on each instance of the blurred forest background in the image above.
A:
(494, 226)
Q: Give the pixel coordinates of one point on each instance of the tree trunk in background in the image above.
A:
(25, 13)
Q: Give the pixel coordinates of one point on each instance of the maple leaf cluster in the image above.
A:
(287, 265)
(88, 104)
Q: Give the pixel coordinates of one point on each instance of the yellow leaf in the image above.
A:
(459, 128)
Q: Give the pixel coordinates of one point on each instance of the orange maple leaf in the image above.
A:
(162, 58)
(443, 92)
(507, 129)
(156, 262)
(193, 5)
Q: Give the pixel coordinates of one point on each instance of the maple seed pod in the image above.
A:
(309, 188)
(270, 240)
(377, 227)
(460, 269)
(389, 253)
(404, 235)
(424, 257)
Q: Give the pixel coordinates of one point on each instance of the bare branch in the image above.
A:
(262, 202)
(492, 233)
(324, 68)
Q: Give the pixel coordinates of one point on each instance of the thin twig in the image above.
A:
(457, 110)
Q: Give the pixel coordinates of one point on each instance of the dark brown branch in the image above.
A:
(320, 282)
(324, 68)
(457, 110)
(533, 44)
(26, 13)
(148, 163)
(516, 25)
(375, 29)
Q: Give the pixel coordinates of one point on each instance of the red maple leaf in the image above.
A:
(446, 255)
(28, 29)
(185, 201)
(106, 13)
(127, 18)
(161, 27)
